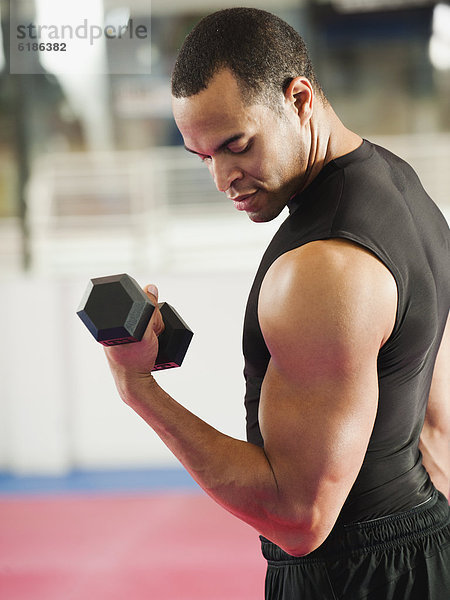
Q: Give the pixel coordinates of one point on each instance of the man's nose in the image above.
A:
(224, 173)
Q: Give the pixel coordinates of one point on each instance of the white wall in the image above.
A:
(59, 407)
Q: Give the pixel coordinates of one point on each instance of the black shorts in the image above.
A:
(399, 557)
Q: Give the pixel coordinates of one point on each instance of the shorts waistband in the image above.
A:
(367, 536)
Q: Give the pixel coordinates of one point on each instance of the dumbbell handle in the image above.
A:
(102, 311)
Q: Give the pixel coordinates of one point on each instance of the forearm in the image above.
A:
(236, 474)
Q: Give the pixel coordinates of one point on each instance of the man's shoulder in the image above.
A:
(331, 285)
(331, 261)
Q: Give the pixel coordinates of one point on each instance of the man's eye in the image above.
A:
(205, 158)
(240, 151)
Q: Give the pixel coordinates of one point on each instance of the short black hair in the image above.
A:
(262, 51)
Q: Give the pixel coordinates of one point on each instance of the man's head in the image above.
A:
(262, 51)
(242, 92)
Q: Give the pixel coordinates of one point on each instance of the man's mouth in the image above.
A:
(243, 202)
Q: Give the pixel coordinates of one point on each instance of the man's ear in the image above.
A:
(300, 95)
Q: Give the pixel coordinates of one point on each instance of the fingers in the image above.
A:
(152, 292)
(156, 322)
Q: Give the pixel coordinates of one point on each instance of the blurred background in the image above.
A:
(94, 181)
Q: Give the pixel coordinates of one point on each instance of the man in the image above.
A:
(343, 326)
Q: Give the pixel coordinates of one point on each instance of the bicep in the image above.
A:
(316, 434)
(320, 393)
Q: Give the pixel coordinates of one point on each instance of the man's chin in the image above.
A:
(259, 218)
(263, 216)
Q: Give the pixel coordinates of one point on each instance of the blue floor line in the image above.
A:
(120, 480)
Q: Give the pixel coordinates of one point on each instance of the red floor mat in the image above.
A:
(152, 547)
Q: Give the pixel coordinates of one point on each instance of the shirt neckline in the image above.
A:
(362, 152)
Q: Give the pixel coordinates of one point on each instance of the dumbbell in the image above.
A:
(117, 311)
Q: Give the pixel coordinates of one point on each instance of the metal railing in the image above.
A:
(159, 209)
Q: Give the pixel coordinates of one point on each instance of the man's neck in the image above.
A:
(329, 140)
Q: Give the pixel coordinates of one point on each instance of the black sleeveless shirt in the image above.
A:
(374, 199)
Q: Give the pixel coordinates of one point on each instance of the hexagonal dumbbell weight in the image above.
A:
(117, 311)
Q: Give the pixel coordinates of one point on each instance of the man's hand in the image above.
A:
(135, 361)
